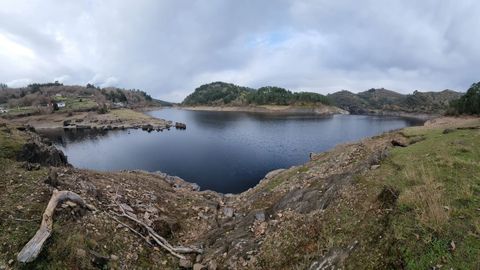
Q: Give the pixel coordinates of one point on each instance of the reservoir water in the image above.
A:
(223, 151)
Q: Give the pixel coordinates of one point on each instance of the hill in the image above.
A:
(383, 100)
(43, 98)
(226, 94)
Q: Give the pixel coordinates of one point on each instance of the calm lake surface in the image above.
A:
(223, 151)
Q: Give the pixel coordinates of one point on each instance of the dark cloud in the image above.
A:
(170, 47)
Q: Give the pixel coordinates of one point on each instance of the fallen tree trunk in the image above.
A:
(31, 250)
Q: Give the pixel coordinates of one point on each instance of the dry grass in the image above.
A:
(426, 198)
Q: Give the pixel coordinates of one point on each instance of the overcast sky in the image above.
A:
(168, 48)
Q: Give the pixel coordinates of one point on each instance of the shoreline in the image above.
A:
(324, 110)
(114, 119)
(276, 109)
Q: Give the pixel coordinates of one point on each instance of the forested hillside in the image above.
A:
(220, 94)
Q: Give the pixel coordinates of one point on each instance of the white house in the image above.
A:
(61, 104)
(119, 104)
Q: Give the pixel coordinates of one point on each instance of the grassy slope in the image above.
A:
(437, 220)
(434, 222)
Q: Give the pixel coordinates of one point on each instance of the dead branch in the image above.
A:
(130, 228)
(175, 251)
(31, 250)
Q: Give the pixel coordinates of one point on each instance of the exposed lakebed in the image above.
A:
(222, 151)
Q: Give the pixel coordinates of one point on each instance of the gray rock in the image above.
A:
(198, 266)
(185, 264)
(273, 173)
(260, 216)
(228, 211)
(195, 187)
(374, 167)
(212, 265)
(448, 130)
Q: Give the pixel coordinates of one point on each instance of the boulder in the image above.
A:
(399, 143)
(147, 127)
(374, 167)
(36, 151)
(179, 125)
(52, 178)
(260, 216)
(228, 212)
(195, 187)
(199, 266)
(212, 265)
(448, 130)
(185, 264)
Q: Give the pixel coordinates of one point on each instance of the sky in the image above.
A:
(170, 47)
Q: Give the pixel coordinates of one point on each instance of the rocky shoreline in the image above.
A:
(114, 120)
(411, 115)
(320, 110)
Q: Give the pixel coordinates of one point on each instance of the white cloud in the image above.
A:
(19, 82)
(170, 47)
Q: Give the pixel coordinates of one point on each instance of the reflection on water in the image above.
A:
(223, 151)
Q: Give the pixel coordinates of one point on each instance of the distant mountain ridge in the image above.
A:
(372, 101)
(382, 100)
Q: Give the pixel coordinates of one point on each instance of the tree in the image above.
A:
(468, 103)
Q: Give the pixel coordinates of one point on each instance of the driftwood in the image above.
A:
(162, 242)
(31, 250)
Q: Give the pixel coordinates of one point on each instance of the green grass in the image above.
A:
(76, 103)
(21, 111)
(438, 180)
(11, 142)
(439, 202)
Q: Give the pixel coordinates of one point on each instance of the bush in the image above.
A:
(102, 109)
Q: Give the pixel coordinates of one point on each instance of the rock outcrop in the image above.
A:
(36, 151)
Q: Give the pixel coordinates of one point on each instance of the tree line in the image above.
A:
(468, 103)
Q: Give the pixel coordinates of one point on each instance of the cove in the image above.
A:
(228, 152)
